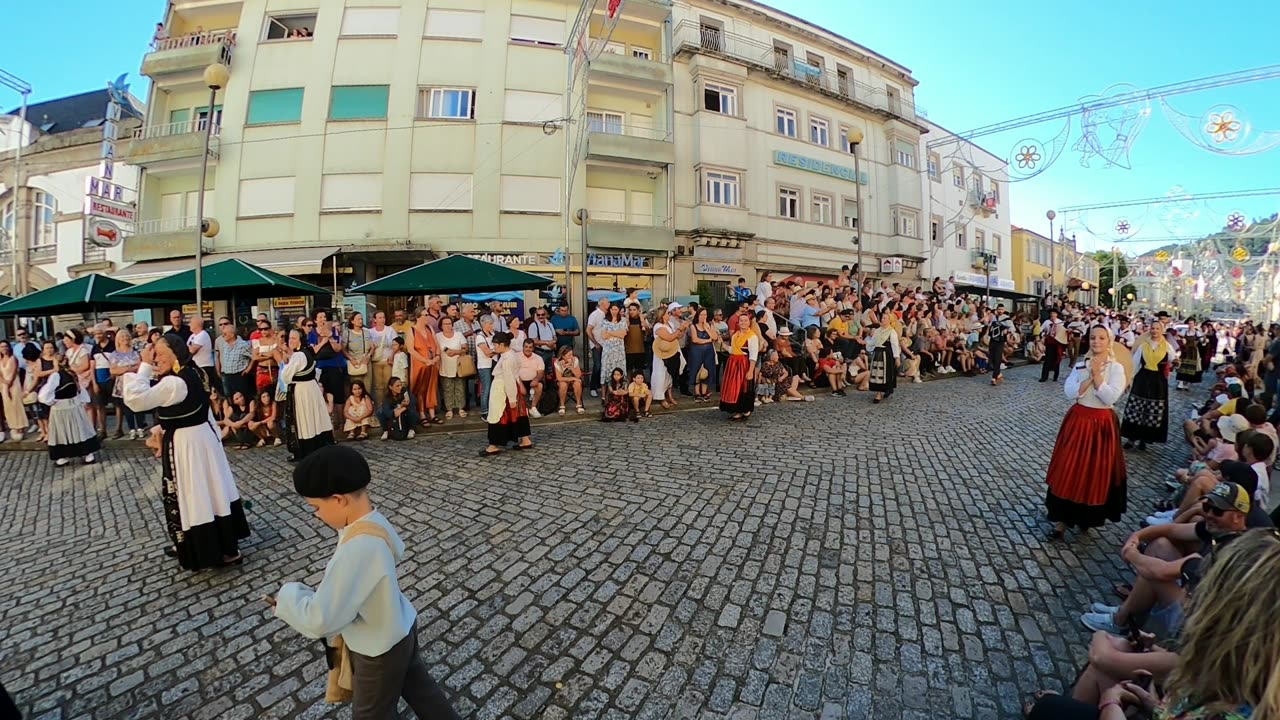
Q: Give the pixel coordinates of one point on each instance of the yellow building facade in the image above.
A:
(1076, 271)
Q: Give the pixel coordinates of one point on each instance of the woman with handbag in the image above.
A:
(357, 347)
(453, 346)
(666, 352)
(424, 368)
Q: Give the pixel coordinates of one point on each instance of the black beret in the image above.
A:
(331, 470)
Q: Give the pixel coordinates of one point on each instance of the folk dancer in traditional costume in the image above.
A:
(71, 435)
(1125, 334)
(508, 415)
(998, 334)
(202, 506)
(306, 412)
(1146, 414)
(1054, 334)
(1191, 362)
(885, 353)
(1087, 477)
(738, 384)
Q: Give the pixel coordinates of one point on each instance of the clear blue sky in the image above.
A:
(977, 63)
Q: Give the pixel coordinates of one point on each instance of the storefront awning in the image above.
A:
(289, 261)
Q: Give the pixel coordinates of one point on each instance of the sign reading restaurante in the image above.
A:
(625, 261)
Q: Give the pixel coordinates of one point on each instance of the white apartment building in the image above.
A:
(43, 238)
(353, 140)
(765, 175)
(968, 230)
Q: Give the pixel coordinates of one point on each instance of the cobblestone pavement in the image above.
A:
(827, 560)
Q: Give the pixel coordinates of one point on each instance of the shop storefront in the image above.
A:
(606, 270)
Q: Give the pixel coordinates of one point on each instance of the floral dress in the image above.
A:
(614, 352)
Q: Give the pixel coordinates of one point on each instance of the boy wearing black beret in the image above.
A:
(374, 659)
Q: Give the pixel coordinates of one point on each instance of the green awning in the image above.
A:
(454, 274)
(85, 294)
(223, 281)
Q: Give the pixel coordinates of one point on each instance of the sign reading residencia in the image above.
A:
(813, 165)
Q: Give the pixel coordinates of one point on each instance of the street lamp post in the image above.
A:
(215, 77)
(16, 83)
(1053, 255)
(855, 139)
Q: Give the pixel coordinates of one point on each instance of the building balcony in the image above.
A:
(983, 203)
(164, 238)
(693, 37)
(628, 143)
(629, 231)
(984, 260)
(158, 145)
(190, 53)
(619, 65)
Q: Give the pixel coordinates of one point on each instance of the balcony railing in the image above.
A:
(165, 225)
(606, 127)
(151, 132)
(984, 202)
(208, 37)
(692, 36)
(600, 46)
(621, 218)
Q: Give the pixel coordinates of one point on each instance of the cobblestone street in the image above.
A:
(833, 559)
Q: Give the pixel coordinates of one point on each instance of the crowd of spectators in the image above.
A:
(1192, 636)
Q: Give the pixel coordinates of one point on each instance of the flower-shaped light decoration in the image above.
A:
(1235, 222)
(1027, 157)
(1223, 126)
(1123, 227)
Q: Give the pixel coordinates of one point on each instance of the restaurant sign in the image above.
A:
(626, 261)
(714, 268)
(813, 165)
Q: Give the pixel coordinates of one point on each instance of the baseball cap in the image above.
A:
(674, 306)
(1229, 426)
(1229, 496)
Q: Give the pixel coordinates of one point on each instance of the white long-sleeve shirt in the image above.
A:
(1104, 397)
(883, 334)
(359, 597)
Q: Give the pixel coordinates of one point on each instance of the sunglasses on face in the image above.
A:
(1207, 507)
(310, 325)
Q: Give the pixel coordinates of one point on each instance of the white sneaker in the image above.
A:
(1104, 608)
(533, 413)
(1166, 513)
(1154, 520)
(61, 462)
(385, 435)
(595, 394)
(2, 436)
(411, 435)
(89, 459)
(916, 379)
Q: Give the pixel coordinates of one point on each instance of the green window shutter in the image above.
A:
(358, 102)
(275, 106)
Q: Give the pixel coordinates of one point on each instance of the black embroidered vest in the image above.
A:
(308, 372)
(194, 409)
(67, 388)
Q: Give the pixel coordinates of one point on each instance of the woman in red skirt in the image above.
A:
(738, 384)
(1087, 477)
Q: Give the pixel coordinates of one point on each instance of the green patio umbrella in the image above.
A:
(454, 274)
(224, 280)
(85, 294)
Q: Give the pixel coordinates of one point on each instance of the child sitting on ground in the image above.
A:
(359, 598)
(641, 398)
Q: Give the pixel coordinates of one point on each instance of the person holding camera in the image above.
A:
(672, 322)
